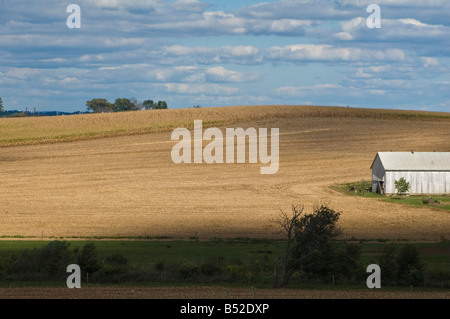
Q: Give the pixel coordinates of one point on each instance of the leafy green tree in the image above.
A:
(410, 266)
(312, 247)
(87, 259)
(401, 185)
(346, 263)
(99, 106)
(54, 258)
(122, 105)
(314, 235)
(161, 105)
(148, 104)
(388, 262)
(50, 261)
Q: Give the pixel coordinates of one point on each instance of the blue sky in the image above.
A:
(219, 53)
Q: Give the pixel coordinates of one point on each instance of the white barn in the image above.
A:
(426, 172)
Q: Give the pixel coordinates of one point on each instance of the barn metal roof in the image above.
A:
(414, 161)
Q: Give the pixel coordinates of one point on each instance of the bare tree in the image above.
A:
(287, 223)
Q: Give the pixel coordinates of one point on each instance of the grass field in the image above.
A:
(143, 252)
(116, 178)
(418, 201)
(228, 253)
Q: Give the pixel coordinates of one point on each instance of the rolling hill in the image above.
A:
(111, 175)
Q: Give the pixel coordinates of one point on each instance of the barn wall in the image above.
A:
(420, 182)
(377, 173)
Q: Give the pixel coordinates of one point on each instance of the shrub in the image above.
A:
(54, 258)
(109, 272)
(402, 186)
(347, 264)
(361, 187)
(410, 267)
(389, 264)
(189, 270)
(438, 276)
(87, 259)
(48, 262)
(116, 259)
(160, 265)
(209, 267)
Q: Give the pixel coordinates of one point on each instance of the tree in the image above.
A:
(388, 262)
(314, 247)
(87, 259)
(99, 106)
(161, 105)
(1, 106)
(137, 105)
(410, 267)
(402, 186)
(122, 105)
(288, 222)
(310, 246)
(148, 104)
(346, 263)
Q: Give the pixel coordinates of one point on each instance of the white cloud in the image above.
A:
(344, 36)
(324, 52)
(429, 61)
(209, 55)
(195, 89)
(377, 92)
(300, 91)
(373, 71)
(220, 74)
(192, 74)
(413, 22)
(407, 3)
(228, 23)
(408, 31)
(114, 4)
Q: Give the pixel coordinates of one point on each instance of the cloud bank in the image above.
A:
(191, 52)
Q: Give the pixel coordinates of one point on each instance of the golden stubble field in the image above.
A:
(127, 185)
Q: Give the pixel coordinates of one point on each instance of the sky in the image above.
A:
(224, 53)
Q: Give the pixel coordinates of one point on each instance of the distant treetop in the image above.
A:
(123, 104)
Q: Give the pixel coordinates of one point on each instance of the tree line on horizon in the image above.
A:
(123, 105)
(119, 105)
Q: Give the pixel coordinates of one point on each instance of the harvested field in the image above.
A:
(209, 293)
(39, 130)
(127, 185)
